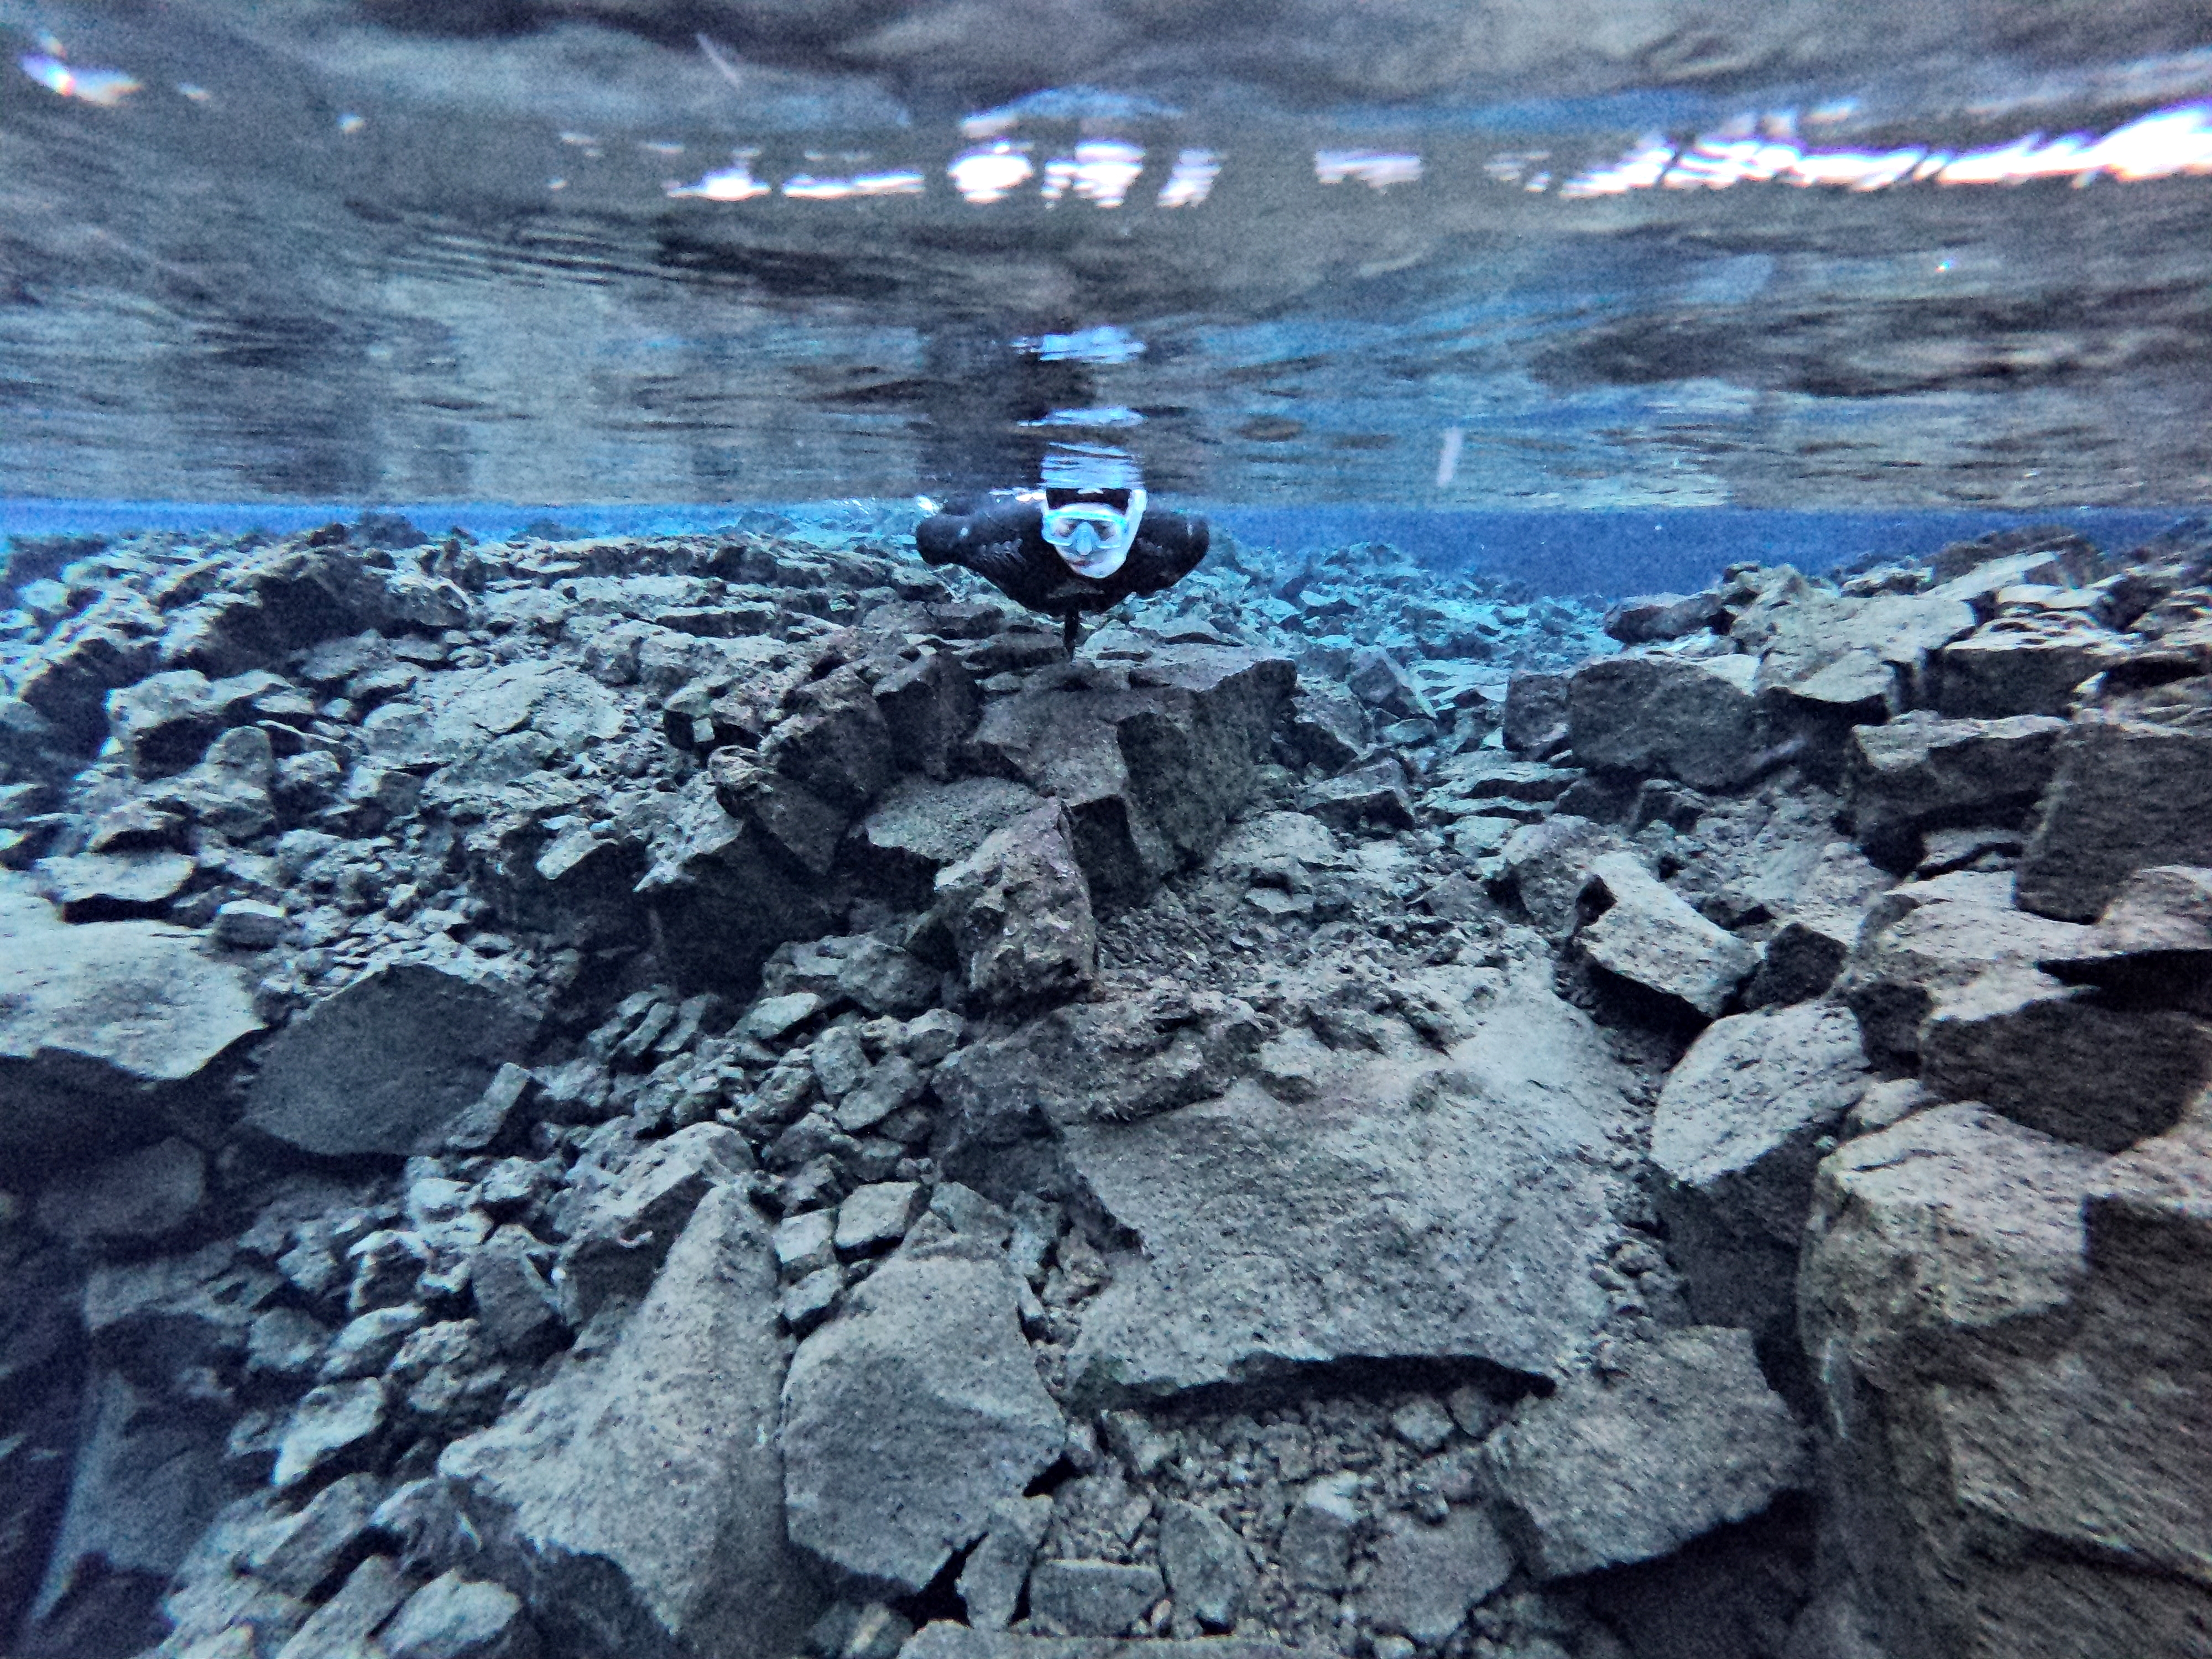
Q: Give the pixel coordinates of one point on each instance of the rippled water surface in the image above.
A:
(323, 252)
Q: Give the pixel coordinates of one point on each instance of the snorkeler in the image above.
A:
(1066, 550)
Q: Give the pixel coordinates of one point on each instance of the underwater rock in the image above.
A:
(1208, 1569)
(1535, 719)
(635, 1498)
(1422, 1205)
(2154, 942)
(1648, 935)
(920, 827)
(1426, 1578)
(1925, 938)
(1656, 617)
(621, 1233)
(148, 1480)
(105, 1027)
(1129, 1058)
(947, 1640)
(1920, 772)
(1017, 910)
(2125, 795)
(998, 1568)
(909, 1416)
(929, 706)
(2001, 1322)
(1373, 799)
(1548, 865)
(833, 739)
(2061, 1060)
(385, 1065)
(2024, 666)
(1606, 1473)
(1150, 774)
(456, 1618)
(724, 897)
(1695, 720)
(142, 1195)
(1090, 1598)
(1742, 1121)
(1327, 727)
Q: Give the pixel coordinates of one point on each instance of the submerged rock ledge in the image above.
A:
(722, 1097)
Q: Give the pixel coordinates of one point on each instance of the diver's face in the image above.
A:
(1092, 530)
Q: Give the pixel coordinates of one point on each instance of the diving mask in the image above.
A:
(1093, 536)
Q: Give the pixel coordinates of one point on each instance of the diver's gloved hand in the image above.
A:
(1135, 550)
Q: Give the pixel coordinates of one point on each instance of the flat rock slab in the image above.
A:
(945, 1640)
(2126, 795)
(98, 1023)
(1696, 720)
(1687, 1438)
(383, 1066)
(2059, 1059)
(1737, 1136)
(637, 1500)
(1451, 1207)
(908, 1417)
(1649, 936)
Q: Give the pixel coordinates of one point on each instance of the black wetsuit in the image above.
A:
(1004, 542)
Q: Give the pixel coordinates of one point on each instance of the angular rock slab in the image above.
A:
(2060, 1059)
(101, 1026)
(2126, 795)
(385, 1065)
(1925, 939)
(1649, 936)
(1737, 1137)
(1694, 720)
(908, 1417)
(1687, 1438)
(637, 1500)
(2154, 942)
(2010, 1333)
(1450, 1207)
(1918, 771)
(1018, 910)
(1150, 774)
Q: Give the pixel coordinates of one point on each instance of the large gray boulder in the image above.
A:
(2009, 1335)
(921, 826)
(2154, 942)
(1919, 772)
(2062, 1058)
(726, 893)
(1686, 1437)
(2026, 664)
(1420, 1205)
(1739, 1130)
(105, 1026)
(635, 1500)
(619, 1234)
(1649, 935)
(1152, 775)
(1923, 940)
(148, 1480)
(1132, 1057)
(908, 1417)
(1019, 913)
(1692, 719)
(385, 1065)
(1548, 865)
(2126, 795)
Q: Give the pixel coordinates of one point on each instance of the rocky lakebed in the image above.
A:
(721, 1097)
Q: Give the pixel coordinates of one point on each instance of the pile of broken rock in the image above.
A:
(721, 1096)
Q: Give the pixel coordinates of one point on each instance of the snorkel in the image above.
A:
(1093, 538)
